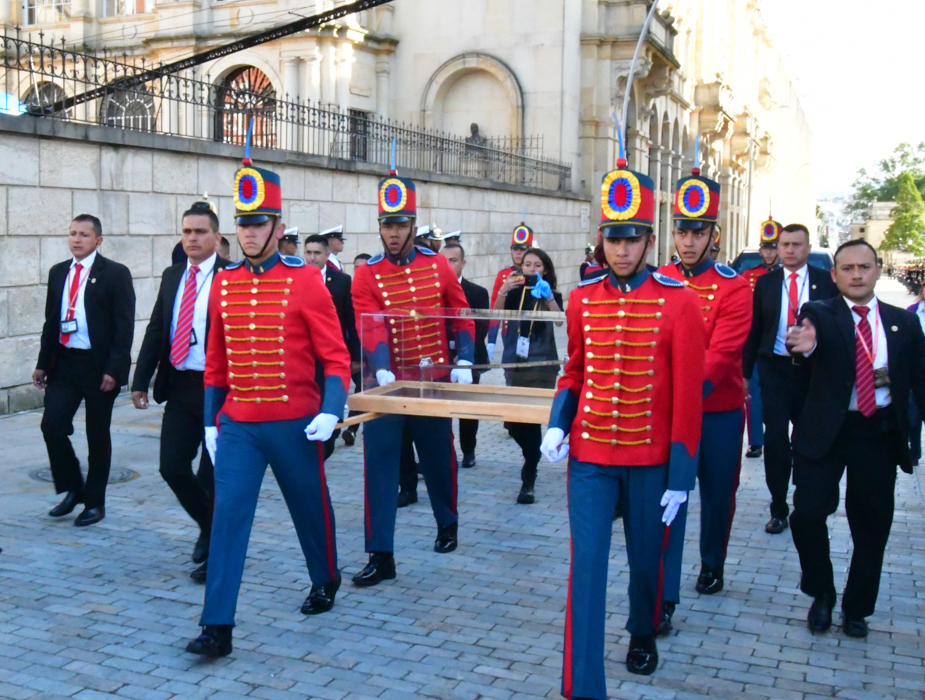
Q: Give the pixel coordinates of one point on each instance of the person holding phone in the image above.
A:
(529, 342)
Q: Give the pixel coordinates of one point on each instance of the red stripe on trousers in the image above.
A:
(325, 504)
(453, 468)
(735, 488)
(657, 618)
(567, 649)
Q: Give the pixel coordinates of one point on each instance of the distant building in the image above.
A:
(873, 229)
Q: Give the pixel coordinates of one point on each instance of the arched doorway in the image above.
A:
(246, 92)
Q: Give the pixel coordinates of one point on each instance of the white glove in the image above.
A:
(491, 351)
(384, 377)
(552, 447)
(672, 500)
(212, 442)
(461, 375)
(322, 428)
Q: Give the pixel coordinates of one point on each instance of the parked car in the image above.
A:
(750, 257)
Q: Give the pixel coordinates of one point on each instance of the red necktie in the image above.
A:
(179, 349)
(864, 367)
(72, 301)
(794, 300)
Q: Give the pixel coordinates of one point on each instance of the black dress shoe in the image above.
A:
(468, 460)
(446, 539)
(321, 598)
(200, 572)
(642, 657)
(406, 498)
(819, 619)
(709, 581)
(526, 496)
(754, 451)
(67, 506)
(350, 437)
(854, 626)
(214, 641)
(664, 625)
(201, 550)
(776, 526)
(90, 516)
(381, 567)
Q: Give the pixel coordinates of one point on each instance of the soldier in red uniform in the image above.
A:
(270, 322)
(521, 241)
(770, 232)
(726, 309)
(630, 401)
(406, 282)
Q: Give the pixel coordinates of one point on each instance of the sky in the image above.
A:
(857, 67)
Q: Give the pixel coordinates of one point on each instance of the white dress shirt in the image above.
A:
(920, 312)
(332, 257)
(196, 360)
(880, 359)
(81, 339)
(780, 347)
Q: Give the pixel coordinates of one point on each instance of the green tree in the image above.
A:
(881, 183)
(907, 233)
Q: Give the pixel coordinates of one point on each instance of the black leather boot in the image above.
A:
(381, 567)
(642, 657)
(67, 505)
(446, 539)
(321, 598)
(664, 625)
(709, 581)
(214, 641)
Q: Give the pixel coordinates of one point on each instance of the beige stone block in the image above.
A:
(17, 360)
(26, 309)
(476, 199)
(111, 208)
(20, 258)
(24, 398)
(36, 212)
(145, 296)
(319, 185)
(4, 312)
(153, 214)
(331, 214)
(69, 164)
(216, 176)
(292, 180)
(428, 196)
(225, 206)
(475, 222)
(175, 173)
(368, 191)
(53, 250)
(360, 218)
(2, 211)
(162, 249)
(125, 169)
(304, 215)
(346, 187)
(132, 251)
(19, 160)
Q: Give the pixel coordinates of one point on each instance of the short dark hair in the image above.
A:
(455, 244)
(794, 228)
(92, 220)
(202, 209)
(854, 243)
(549, 273)
(315, 238)
(362, 256)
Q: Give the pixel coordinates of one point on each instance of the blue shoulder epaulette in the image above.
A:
(234, 265)
(725, 271)
(425, 250)
(666, 280)
(376, 259)
(291, 261)
(592, 280)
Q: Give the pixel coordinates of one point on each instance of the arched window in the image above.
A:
(129, 109)
(43, 96)
(244, 93)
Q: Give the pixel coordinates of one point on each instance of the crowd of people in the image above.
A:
(664, 368)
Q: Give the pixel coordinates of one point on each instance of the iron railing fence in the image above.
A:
(37, 77)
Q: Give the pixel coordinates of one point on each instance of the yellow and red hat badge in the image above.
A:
(770, 232)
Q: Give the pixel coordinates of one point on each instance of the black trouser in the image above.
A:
(75, 378)
(408, 467)
(867, 447)
(181, 435)
(468, 429)
(357, 388)
(528, 436)
(783, 392)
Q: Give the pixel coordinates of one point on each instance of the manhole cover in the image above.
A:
(116, 475)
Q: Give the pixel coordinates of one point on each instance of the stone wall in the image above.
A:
(139, 185)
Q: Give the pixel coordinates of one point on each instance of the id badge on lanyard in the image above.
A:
(523, 347)
(69, 327)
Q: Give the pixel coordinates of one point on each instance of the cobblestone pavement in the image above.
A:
(105, 611)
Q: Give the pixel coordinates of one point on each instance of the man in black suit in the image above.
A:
(338, 284)
(85, 355)
(478, 298)
(863, 359)
(779, 295)
(175, 346)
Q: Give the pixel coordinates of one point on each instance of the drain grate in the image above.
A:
(117, 475)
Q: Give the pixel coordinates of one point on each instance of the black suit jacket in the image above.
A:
(478, 298)
(766, 310)
(155, 348)
(339, 285)
(109, 302)
(831, 375)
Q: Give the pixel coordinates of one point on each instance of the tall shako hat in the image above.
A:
(523, 234)
(627, 199)
(770, 232)
(257, 192)
(398, 200)
(696, 200)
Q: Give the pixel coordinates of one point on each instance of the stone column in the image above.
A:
(383, 69)
(343, 65)
(328, 72)
(5, 13)
(291, 91)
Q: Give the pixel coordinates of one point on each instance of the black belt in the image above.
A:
(77, 352)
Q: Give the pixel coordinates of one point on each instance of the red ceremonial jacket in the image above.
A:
(269, 324)
(631, 391)
(752, 274)
(499, 280)
(726, 304)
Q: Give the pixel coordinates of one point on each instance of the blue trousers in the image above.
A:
(593, 493)
(244, 450)
(755, 424)
(718, 477)
(433, 438)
